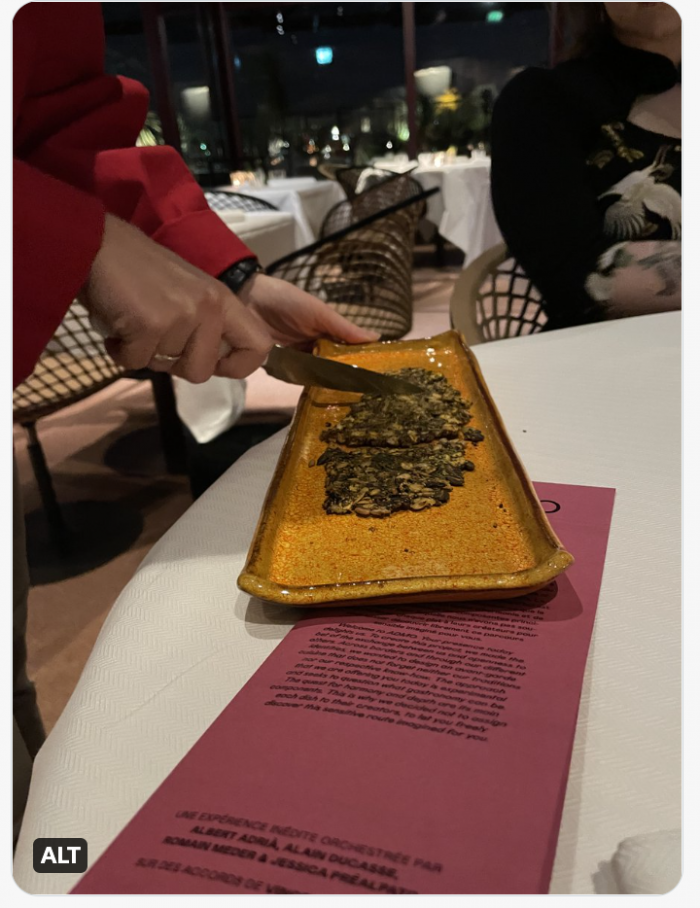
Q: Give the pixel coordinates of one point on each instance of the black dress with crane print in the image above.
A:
(637, 176)
(576, 171)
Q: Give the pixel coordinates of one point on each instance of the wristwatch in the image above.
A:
(236, 276)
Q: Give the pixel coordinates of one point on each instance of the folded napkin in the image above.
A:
(210, 408)
(648, 864)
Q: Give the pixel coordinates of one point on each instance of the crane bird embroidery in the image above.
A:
(641, 193)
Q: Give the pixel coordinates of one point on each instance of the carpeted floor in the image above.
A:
(107, 450)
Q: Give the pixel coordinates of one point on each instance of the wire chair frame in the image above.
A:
(237, 201)
(494, 299)
(374, 200)
(363, 270)
(509, 305)
(74, 365)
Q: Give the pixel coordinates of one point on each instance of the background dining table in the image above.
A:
(268, 234)
(594, 405)
(307, 199)
(462, 210)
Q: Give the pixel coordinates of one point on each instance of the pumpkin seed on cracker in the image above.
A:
(376, 482)
(404, 420)
(407, 451)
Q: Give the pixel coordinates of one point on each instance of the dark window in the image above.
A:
(471, 50)
(318, 82)
(126, 54)
(323, 82)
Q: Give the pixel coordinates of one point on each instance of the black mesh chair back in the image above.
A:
(397, 189)
(494, 299)
(364, 270)
(73, 366)
(237, 201)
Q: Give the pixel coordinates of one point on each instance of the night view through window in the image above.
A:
(322, 83)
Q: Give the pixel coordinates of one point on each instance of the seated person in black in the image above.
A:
(586, 170)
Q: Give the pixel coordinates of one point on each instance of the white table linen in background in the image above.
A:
(232, 217)
(469, 220)
(308, 203)
(182, 640)
(462, 210)
(291, 182)
(269, 234)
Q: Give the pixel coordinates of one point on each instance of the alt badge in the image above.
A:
(60, 855)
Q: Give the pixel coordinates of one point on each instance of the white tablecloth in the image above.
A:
(269, 234)
(596, 405)
(462, 210)
(309, 204)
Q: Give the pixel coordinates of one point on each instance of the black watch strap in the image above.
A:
(236, 276)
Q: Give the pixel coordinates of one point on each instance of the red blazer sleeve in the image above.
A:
(52, 254)
(75, 130)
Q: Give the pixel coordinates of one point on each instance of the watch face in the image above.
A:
(239, 273)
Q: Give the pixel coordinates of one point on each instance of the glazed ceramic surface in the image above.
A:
(492, 540)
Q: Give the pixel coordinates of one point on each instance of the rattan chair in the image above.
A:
(237, 201)
(494, 299)
(75, 365)
(364, 270)
(379, 197)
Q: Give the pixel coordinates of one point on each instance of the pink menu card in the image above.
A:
(379, 750)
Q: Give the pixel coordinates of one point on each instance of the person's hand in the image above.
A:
(295, 318)
(163, 313)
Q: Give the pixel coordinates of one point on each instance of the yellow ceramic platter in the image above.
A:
(492, 540)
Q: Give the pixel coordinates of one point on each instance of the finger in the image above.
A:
(248, 339)
(332, 324)
(173, 343)
(239, 364)
(131, 353)
(137, 350)
(242, 361)
(201, 353)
